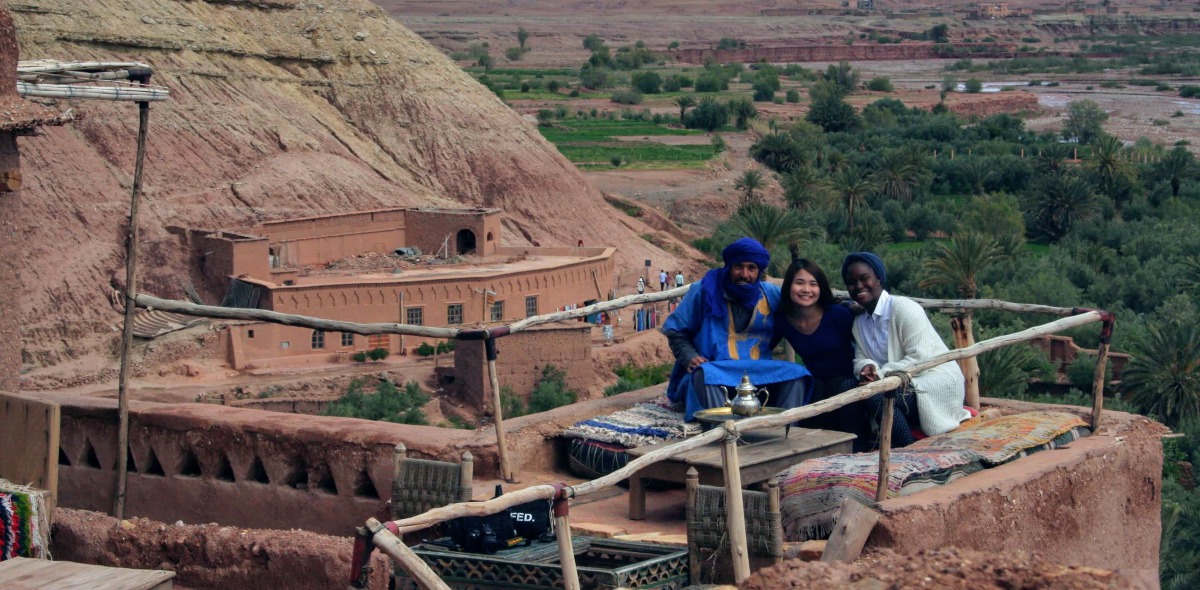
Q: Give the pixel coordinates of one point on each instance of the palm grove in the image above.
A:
(987, 208)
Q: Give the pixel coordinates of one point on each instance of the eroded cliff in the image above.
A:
(279, 108)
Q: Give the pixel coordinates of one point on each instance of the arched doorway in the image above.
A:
(465, 242)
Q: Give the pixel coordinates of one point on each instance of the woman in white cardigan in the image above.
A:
(894, 334)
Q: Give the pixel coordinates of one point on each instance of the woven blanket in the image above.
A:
(812, 491)
(646, 423)
(23, 522)
(1002, 439)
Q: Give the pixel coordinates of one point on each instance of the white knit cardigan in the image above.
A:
(912, 339)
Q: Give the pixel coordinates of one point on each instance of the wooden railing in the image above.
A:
(386, 536)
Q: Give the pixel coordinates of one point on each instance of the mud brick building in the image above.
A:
(284, 266)
(520, 358)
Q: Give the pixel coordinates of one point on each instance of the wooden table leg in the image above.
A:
(637, 498)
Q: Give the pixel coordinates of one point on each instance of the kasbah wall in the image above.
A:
(10, 281)
(520, 358)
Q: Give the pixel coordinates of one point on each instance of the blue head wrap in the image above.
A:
(868, 259)
(716, 282)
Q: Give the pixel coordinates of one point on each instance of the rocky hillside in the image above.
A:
(279, 108)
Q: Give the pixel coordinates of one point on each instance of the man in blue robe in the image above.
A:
(722, 329)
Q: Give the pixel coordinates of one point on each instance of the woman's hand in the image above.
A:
(868, 374)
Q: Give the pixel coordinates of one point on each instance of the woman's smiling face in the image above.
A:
(863, 285)
(804, 290)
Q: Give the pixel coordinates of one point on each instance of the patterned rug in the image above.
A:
(812, 491)
(24, 522)
(1007, 437)
(646, 423)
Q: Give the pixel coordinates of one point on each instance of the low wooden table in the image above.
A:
(762, 453)
(20, 572)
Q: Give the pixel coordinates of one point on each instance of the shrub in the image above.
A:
(553, 86)
(387, 404)
(763, 92)
(711, 83)
(550, 391)
(973, 86)
(1081, 372)
(510, 404)
(359, 357)
(426, 349)
(646, 82)
(574, 93)
(378, 354)
(1189, 91)
(718, 143)
(524, 86)
(627, 97)
(514, 53)
(708, 115)
(445, 347)
(880, 84)
(793, 95)
(615, 161)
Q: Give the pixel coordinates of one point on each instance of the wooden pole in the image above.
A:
(416, 567)
(131, 257)
(735, 516)
(1098, 386)
(885, 445)
(566, 553)
(692, 482)
(501, 440)
(964, 337)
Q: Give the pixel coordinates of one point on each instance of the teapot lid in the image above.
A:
(746, 386)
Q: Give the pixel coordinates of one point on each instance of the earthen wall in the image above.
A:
(822, 53)
(429, 229)
(11, 246)
(545, 290)
(520, 358)
(223, 255)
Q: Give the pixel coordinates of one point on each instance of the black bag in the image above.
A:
(484, 534)
(532, 520)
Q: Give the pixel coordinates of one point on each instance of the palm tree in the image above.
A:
(1058, 202)
(1178, 165)
(803, 187)
(750, 181)
(773, 226)
(684, 103)
(958, 265)
(743, 110)
(852, 186)
(1191, 274)
(1163, 378)
(1110, 169)
(1053, 157)
(896, 176)
(977, 172)
(780, 152)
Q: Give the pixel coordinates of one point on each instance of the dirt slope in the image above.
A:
(278, 108)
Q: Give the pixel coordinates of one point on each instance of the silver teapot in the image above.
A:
(745, 402)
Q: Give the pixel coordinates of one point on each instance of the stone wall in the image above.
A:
(12, 244)
(519, 359)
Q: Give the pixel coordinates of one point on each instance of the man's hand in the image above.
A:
(868, 374)
(696, 362)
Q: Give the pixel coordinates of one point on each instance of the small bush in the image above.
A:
(1177, 114)
(445, 347)
(574, 93)
(1189, 91)
(1160, 122)
(763, 92)
(378, 354)
(616, 161)
(359, 357)
(627, 97)
(793, 95)
(1163, 88)
(510, 404)
(426, 349)
(880, 84)
(1081, 372)
(550, 391)
(1030, 40)
(553, 86)
(387, 404)
(718, 143)
(973, 86)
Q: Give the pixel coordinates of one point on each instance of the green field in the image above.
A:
(592, 144)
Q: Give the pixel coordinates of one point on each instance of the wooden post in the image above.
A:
(773, 508)
(467, 475)
(566, 553)
(416, 567)
(734, 507)
(398, 455)
(854, 524)
(1098, 385)
(885, 445)
(964, 336)
(501, 443)
(131, 257)
(694, 561)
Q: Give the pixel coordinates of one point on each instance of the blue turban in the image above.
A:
(716, 282)
(868, 259)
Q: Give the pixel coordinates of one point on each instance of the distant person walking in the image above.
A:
(662, 280)
(641, 286)
(679, 278)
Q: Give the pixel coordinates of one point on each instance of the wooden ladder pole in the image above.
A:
(131, 258)
(885, 445)
(501, 440)
(412, 563)
(734, 507)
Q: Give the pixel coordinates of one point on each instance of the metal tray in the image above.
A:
(718, 415)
